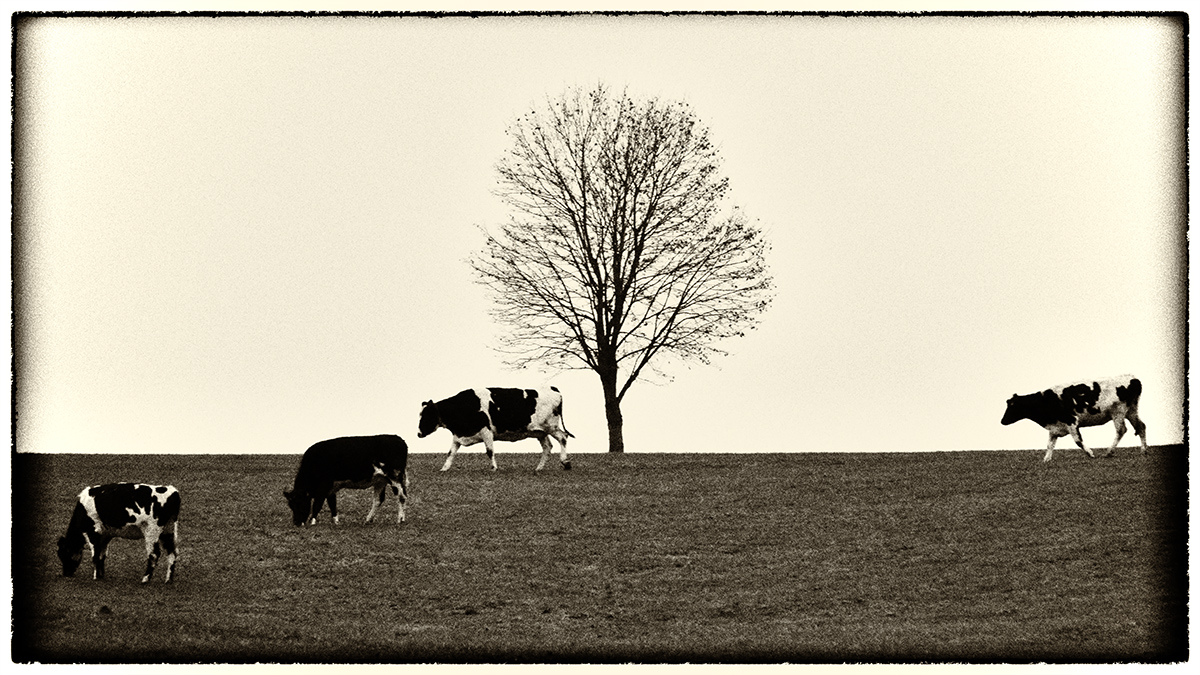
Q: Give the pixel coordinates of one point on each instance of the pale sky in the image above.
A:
(242, 235)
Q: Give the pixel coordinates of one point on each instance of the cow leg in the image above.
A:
(318, 502)
(562, 450)
(332, 499)
(401, 496)
(153, 550)
(380, 493)
(488, 442)
(546, 448)
(1079, 441)
(1050, 448)
(1119, 425)
(454, 446)
(98, 544)
(168, 538)
(1139, 428)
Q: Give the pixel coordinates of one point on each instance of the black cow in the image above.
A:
(352, 462)
(1063, 409)
(126, 510)
(499, 414)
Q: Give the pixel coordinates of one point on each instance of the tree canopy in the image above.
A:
(619, 251)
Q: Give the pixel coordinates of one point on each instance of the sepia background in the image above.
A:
(244, 235)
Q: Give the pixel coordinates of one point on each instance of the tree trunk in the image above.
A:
(616, 438)
(612, 409)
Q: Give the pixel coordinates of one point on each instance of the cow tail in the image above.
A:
(558, 411)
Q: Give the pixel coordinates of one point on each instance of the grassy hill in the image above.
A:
(804, 558)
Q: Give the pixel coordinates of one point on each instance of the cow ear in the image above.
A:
(426, 403)
(287, 494)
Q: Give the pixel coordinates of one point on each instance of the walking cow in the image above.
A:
(499, 414)
(355, 462)
(128, 511)
(1063, 409)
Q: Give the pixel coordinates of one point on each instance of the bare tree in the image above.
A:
(617, 253)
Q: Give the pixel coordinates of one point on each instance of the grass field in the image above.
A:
(803, 558)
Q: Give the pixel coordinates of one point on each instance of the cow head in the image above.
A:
(1016, 411)
(300, 504)
(70, 556)
(430, 420)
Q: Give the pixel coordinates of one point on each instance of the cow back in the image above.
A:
(512, 410)
(116, 503)
(351, 458)
(1086, 403)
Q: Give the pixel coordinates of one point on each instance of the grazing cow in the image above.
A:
(499, 414)
(1063, 409)
(126, 510)
(352, 462)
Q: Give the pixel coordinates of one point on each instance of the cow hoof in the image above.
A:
(566, 466)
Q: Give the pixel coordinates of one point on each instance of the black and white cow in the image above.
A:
(126, 510)
(1063, 409)
(499, 414)
(355, 462)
